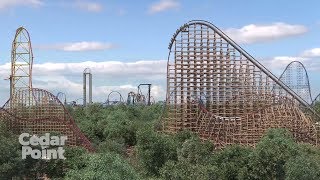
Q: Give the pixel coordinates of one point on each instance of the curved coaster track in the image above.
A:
(37, 111)
(296, 77)
(216, 89)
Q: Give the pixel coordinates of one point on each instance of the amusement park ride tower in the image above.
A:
(87, 73)
(21, 62)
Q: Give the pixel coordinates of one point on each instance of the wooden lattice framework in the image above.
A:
(41, 113)
(31, 110)
(218, 90)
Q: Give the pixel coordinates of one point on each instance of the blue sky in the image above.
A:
(134, 35)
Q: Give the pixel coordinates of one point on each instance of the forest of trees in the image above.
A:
(128, 146)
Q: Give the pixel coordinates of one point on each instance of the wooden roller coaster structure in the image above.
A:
(31, 110)
(42, 113)
(216, 89)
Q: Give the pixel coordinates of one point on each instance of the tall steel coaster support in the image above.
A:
(87, 73)
(148, 100)
(216, 89)
(295, 76)
(21, 62)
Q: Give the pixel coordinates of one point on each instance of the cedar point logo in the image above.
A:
(27, 141)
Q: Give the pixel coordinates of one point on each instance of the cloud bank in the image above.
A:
(254, 33)
(5, 4)
(164, 5)
(78, 46)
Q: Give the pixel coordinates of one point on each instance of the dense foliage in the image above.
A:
(128, 146)
(10, 153)
(102, 166)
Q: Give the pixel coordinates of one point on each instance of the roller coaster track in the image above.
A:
(223, 131)
(113, 102)
(45, 114)
(205, 64)
(296, 77)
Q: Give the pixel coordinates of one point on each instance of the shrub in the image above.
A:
(184, 170)
(118, 147)
(119, 126)
(232, 162)
(103, 166)
(154, 150)
(10, 153)
(271, 154)
(303, 167)
(195, 152)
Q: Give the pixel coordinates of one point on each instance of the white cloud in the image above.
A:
(315, 52)
(88, 6)
(278, 64)
(262, 33)
(5, 4)
(100, 92)
(111, 68)
(78, 46)
(163, 5)
(158, 92)
(107, 76)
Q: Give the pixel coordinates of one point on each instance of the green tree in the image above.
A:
(271, 154)
(232, 162)
(195, 152)
(107, 166)
(154, 150)
(120, 127)
(194, 159)
(10, 153)
(303, 167)
(184, 170)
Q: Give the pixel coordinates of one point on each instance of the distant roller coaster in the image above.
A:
(215, 88)
(139, 97)
(131, 99)
(295, 76)
(112, 100)
(62, 97)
